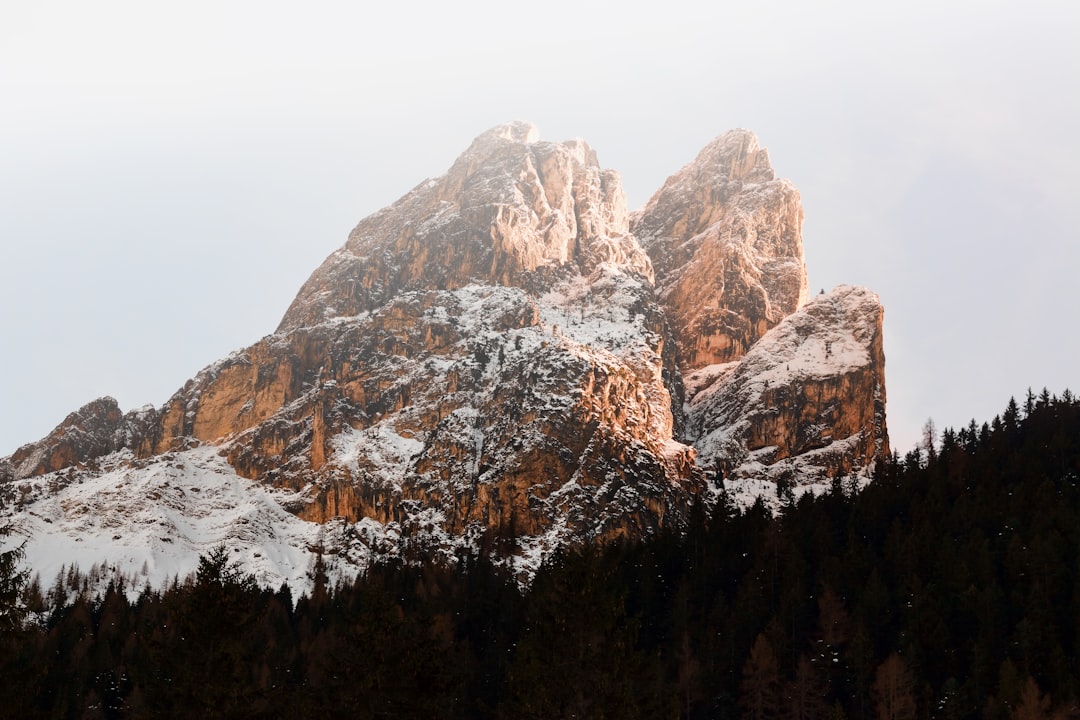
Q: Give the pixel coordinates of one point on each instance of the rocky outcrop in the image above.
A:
(806, 404)
(467, 402)
(487, 355)
(509, 206)
(725, 238)
(96, 429)
(496, 359)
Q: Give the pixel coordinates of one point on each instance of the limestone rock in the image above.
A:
(805, 404)
(473, 404)
(96, 429)
(491, 361)
(725, 239)
(508, 207)
(484, 349)
(486, 358)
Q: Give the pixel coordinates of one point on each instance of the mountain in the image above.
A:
(505, 358)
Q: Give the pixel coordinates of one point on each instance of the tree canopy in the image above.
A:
(949, 587)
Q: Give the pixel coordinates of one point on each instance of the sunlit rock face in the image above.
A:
(725, 238)
(503, 358)
(508, 207)
(486, 352)
(805, 404)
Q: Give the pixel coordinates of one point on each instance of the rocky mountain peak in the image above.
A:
(94, 430)
(725, 239)
(738, 155)
(515, 131)
(509, 207)
(504, 358)
(90, 431)
(695, 197)
(805, 404)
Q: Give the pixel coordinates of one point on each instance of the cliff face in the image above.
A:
(481, 402)
(725, 239)
(805, 404)
(488, 349)
(500, 358)
(509, 206)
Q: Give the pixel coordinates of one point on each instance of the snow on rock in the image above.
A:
(805, 404)
(96, 429)
(725, 238)
(509, 207)
(488, 363)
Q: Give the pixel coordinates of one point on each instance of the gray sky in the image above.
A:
(170, 174)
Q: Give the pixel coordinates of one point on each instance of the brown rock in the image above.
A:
(725, 239)
(509, 206)
(96, 429)
(487, 359)
(806, 403)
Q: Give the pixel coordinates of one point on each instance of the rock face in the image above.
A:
(805, 404)
(94, 430)
(509, 206)
(725, 239)
(488, 348)
(499, 359)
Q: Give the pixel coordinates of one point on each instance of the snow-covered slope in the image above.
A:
(151, 520)
(489, 364)
(805, 404)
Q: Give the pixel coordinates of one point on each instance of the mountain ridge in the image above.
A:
(503, 356)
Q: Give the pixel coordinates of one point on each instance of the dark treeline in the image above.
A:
(947, 588)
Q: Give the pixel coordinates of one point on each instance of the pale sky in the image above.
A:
(171, 174)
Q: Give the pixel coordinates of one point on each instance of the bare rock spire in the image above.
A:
(509, 206)
(725, 239)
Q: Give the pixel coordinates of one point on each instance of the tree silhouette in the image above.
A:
(894, 690)
(760, 696)
(1033, 704)
(12, 582)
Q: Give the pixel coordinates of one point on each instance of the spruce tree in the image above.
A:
(12, 581)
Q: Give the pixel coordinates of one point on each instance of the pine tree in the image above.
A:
(12, 582)
(210, 656)
(1033, 704)
(806, 698)
(894, 690)
(18, 671)
(760, 696)
(1011, 417)
(929, 439)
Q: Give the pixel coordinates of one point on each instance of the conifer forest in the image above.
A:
(948, 587)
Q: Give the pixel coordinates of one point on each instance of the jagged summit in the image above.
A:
(725, 239)
(694, 198)
(509, 206)
(515, 131)
(503, 358)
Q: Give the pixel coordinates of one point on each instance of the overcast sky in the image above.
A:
(170, 174)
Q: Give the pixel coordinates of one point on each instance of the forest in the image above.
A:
(948, 587)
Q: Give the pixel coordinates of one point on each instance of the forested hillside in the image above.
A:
(948, 587)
